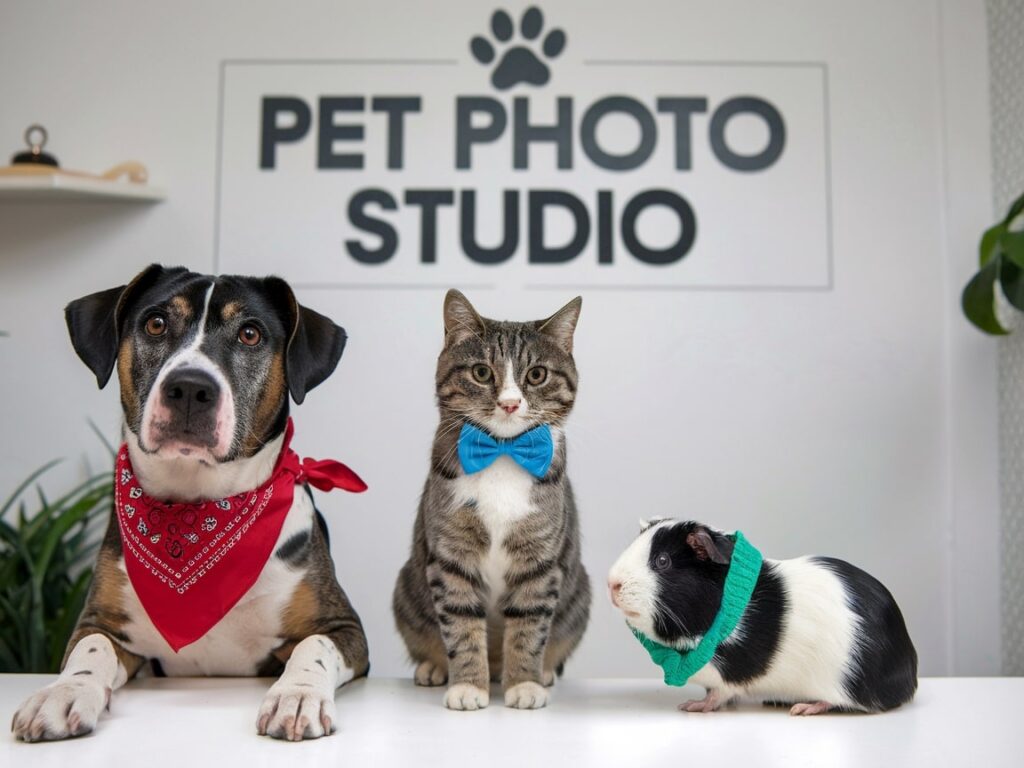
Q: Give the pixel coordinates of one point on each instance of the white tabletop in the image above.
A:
(194, 722)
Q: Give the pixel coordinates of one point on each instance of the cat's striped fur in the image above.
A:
(494, 587)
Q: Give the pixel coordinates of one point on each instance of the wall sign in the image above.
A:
(521, 161)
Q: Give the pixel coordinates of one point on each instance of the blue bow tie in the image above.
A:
(532, 450)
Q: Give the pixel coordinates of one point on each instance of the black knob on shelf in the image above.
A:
(35, 137)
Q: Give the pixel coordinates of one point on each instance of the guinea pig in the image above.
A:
(818, 633)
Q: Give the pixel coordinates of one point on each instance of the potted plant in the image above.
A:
(1001, 262)
(46, 557)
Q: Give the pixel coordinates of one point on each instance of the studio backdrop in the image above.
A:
(768, 210)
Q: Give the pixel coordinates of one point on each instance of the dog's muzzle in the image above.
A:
(192, 398)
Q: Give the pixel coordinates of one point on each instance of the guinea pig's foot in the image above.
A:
(805, 708)
(709, 703)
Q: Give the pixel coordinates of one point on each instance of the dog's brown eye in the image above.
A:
(537, 375)
(249, 335)
(482, 373)
(156, 325)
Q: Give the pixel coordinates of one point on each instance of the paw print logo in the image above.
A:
(519, 63)
(209, 524)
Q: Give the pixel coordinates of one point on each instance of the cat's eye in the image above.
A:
(250, 335)
(156, 325)
(482, 373)
(537, 375)
(662, 561)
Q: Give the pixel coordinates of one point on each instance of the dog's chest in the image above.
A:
(248, 633)
(501, 496)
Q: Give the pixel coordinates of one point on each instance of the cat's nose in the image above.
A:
(510, 406)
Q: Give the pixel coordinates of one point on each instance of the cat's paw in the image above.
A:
(528, 695)
(430, 674)
(62, 710)
(293, 713)
(466, 697)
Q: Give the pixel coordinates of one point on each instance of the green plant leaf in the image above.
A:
(1012, 245)
(1016, 208)
(1011, 280)
(978, 299)
(25, 484)
(989, 246)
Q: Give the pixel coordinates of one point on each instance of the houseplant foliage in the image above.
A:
(46, 554)
(1001, 262)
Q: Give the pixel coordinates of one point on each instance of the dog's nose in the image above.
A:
(190, 391)
(509, 406)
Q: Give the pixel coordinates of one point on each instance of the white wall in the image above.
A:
(856, 421)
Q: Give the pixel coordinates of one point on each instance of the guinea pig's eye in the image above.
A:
(482, 373)
(156, 325)
(249, 335)
(537, 375)
(662, 561)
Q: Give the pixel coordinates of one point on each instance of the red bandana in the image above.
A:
(190, 563)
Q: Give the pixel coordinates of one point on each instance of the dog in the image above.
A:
(206, 366)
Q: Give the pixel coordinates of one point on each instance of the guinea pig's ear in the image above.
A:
(95, 322)
(710, 545)
(314, 344)
(460, 318)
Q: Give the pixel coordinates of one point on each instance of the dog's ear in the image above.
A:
(315, 343)
(94, 322)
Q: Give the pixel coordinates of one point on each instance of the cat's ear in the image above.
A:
(561, 325)
(459, 317)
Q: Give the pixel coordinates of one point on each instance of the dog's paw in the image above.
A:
(295, 712)
(527, 695)
(61, 710)
(466, 696)
(430, 674)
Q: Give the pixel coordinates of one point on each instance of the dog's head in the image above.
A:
(205, 363)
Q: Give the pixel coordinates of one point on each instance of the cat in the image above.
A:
(494, 588)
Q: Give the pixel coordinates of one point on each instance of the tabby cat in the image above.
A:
(494, 588)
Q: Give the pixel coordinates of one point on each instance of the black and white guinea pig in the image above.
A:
(818, 633)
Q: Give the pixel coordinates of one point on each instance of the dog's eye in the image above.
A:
(156, 325)
(482, 373)
(249, 335)
(662, 561)
(537, 375)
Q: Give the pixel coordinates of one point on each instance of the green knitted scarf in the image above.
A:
(680, 666)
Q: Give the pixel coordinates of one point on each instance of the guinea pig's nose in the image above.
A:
(614, 587)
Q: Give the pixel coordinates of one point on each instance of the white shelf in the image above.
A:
(62, 188)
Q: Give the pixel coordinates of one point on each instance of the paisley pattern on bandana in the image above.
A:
(190, 563)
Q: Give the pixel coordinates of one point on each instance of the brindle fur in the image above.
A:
(441, 599)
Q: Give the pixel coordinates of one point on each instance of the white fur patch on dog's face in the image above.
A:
(637, 593)
(155, 412)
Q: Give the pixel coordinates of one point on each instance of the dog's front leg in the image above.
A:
(71, 705)
(300, 705)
